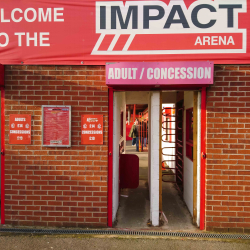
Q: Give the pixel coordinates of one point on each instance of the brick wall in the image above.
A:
(56, 186)
(228, 150)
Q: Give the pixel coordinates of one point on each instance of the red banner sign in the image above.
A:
(95, 32)
(56, 126)
(20, 129)
(92, 129)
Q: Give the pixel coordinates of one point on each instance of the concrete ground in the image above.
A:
(134, 210)
(24, 242)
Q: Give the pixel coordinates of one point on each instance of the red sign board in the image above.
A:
(20, 129)
(95, 32)
(92, 130)
(56, 126)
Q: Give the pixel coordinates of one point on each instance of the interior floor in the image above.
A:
(134, 208)
(134, 211)
(175, 209)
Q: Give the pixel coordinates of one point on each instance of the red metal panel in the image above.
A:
(95, 37)
(1, 75)
(129, 171)
(20, 129)
(110, 156)
(92, 129)
(203, 158)
(2, 155)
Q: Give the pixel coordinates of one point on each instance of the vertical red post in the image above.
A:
(110, 156)
(134, 112)
(203, 157)
(2, 155)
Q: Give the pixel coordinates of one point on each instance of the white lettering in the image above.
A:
(42, 39)
(183, 73)
(134, 72)
(171, 73)
(130, 73)
(230, 40)
(28, 39)
(177, 72)
(190, 73)
(124, 73)
(157, 73)
(198, 41)
(57, 14)
(111, 74)
(222, 40)
(13, 15)
(164, 73)
(214, 40)
(117, 73)
(44, 17)
(26, 15)
(6, 40)
(208, 73)
(200, 73)
(150, 73)
(206, 39)
(2, 17)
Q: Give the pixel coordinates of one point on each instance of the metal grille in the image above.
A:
(172, 125)
(125, 232)
(168, 136)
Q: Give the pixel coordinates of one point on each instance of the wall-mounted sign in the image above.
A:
(160, 73)
(20, 129)
(92, 129)
(111, 31)
(56, 126)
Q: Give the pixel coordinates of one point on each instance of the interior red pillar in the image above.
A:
(134, 112)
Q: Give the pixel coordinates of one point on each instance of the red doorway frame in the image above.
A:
(203, 159)
(2, 155)
(110, 155)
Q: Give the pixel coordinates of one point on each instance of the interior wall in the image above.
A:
(119, 105)
(137, 97)
(149, 142)
(188, 164)
(169, 97)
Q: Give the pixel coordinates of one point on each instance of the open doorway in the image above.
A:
(167, 194)
(133, 195)
(179, 133)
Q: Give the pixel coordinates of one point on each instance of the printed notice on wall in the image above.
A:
(92, 130)
(20, 129)
(57, 126)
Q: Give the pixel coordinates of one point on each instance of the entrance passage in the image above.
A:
(134, 203)
(166, 194)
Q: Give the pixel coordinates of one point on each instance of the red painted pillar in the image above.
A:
(2, 156)
(110, 156)
(203, 157)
